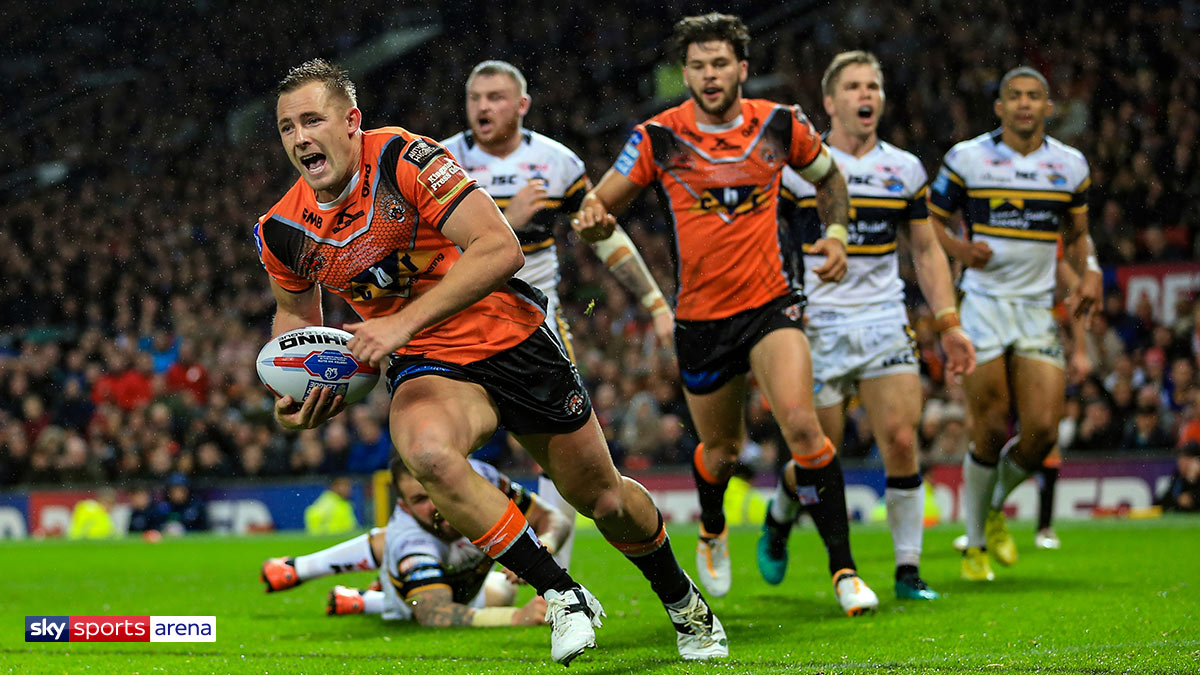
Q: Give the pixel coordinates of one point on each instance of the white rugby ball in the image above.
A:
(300, 360)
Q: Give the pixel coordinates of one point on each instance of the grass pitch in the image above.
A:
(1120, 597)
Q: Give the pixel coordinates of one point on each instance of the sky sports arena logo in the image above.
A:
(120, 629)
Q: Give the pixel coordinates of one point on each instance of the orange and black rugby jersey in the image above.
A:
(722, 185)
(381, 246)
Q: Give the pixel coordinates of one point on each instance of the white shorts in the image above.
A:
(996, 325)
(844, 353)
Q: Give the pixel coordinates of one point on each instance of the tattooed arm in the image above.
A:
(434, 606)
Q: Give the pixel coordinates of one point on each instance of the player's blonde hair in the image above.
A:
(839, 63)
(498, 67)
(335, 79)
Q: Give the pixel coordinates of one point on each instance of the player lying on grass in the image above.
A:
(428, 572)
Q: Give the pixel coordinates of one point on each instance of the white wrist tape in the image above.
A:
(615, 249)
(818, 168)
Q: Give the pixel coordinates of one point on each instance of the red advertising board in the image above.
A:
(1163, 284)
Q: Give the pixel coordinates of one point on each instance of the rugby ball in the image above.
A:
(300, 360)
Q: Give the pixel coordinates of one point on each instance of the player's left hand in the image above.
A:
(1079, 366)
(593, 222)
(960, 352)
(1087, 296)
(532, 614)
(376, 339)
(835, 259)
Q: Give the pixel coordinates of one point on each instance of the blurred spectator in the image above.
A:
(1096, 430)
(211, 462)
(947, 424)
(185, 511)
(145, 515)
(90, 518)
(1183, 491)
(187, 375)
(332, 513)
(1145, 431)
(371, 447)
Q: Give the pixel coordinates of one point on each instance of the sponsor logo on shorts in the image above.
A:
(808, 495)
(905, 358)
(575, 403)
(793, 312)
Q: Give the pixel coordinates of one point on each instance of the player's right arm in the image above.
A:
(833, 208)
(633, 170)
(435, 607)
(947, 195)
(297, 309)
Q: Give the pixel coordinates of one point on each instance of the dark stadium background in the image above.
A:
(139, 149)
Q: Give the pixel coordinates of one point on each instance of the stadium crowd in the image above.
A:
(135, 303)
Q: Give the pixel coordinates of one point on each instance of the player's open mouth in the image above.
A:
(712, 92)
(484, 123)
(865, 112)
(313, 162)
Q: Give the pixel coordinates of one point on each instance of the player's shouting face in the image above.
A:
(495, 107)
(857, 100)
(714, 76)
(317, 128)
(1023, 106)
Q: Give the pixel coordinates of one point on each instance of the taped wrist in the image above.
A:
(490, 617)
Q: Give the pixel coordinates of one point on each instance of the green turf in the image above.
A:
(1119, 597)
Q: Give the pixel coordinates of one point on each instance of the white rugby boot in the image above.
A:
(853, 594)
(698, 632)
(573, 617)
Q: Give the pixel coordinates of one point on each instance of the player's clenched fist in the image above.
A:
(593, 222)
(528, 201)
(376, 339)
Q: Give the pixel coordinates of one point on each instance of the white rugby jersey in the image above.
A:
(414, 558)
(887, 190)
(1018, 205)
(538, 156)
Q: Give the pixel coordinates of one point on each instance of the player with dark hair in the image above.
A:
(858, 328)
(719, 157)
(1018, 190)
(539, 182)
(428, 572)
(390, 222)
